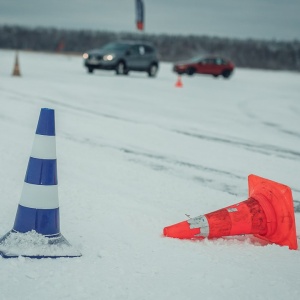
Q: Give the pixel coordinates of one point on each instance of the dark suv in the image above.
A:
(123, 56)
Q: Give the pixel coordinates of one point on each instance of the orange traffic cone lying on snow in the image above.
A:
(179, 82)
(268, 213)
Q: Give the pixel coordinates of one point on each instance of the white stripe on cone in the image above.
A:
(44, 147)
(39, 196)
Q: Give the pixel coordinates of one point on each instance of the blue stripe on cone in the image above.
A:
(41, 171)
(46, 124)
(43, 221)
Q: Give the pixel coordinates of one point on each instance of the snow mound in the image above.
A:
(35, 245)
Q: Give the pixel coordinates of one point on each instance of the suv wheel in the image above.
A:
(121, 68)
(90, 70)
(152, 71)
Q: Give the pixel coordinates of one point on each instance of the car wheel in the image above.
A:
(121, 68)
(90, 70)
(226, 73)
(190, 71)
(152, 71)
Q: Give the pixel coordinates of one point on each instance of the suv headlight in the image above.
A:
(108, 57)
(85, 55)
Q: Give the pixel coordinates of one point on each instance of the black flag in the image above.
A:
(139, 7)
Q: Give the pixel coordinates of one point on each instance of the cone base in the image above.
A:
(34, 245)
(16, 73)
(281, 216)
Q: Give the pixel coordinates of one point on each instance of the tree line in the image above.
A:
(247, 53)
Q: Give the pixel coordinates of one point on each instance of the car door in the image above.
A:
(143, 57)
(134, 57)
(219, 66)
(216, 66)
(205, 66)
(149, 56)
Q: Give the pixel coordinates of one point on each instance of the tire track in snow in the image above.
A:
(259, 148)
(221, 180)
(206, 176)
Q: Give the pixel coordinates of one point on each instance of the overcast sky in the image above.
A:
(263, 19)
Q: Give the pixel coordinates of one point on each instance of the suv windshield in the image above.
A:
(115, 46)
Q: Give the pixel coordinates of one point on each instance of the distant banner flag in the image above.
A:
(139, 5)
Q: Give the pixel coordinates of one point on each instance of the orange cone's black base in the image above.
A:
(268, 213)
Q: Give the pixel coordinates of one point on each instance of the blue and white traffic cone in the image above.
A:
(36, 231)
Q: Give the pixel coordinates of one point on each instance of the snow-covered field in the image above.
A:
(137, 154)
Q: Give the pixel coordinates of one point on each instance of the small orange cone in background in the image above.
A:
(61, 46)
(16, 70)
(179, 82)
(268, 213)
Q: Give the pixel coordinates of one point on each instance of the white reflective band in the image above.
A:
(44, 147)
(202, 223)
(232, 209)
(39, 196)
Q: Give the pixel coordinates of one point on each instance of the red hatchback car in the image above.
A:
(212, 65)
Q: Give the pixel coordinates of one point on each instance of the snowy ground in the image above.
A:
(135, 155)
